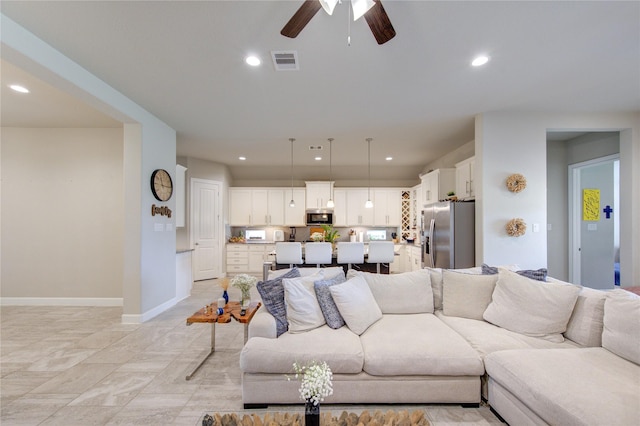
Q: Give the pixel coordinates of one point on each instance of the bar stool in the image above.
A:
(380, 252)
(290, 253)
(350, 253)
(318, 253)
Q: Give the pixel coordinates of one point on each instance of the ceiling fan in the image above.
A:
(372, 10)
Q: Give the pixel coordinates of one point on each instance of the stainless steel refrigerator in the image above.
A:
(448, 235)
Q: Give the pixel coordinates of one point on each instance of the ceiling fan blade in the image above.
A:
(301, 18)
(379, 23)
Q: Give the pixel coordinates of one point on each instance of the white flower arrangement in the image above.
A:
(316, 384)
(244, 282)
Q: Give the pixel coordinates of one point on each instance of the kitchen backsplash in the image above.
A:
(303, 233)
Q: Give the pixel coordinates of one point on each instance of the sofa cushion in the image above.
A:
(329, 309)
(435, 275)
(534, 308)
(327, 272)
(621, 333)
(272, 294)
(466, 295)
(418, 344)
(405, 293)
(586, 322)
(356, 304)
(586, 386)
(340, 348)
(303, 309)
(534, 274)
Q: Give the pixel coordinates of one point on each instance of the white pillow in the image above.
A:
(405, 293)
(356, 304)
(303, 309)
(530, 307)
(436, 282)
(586, 322)
(466, 295)
(621, 333)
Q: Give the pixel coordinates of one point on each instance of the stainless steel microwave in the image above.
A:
(319, 217)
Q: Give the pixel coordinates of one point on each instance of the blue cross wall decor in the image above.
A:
(608, 210)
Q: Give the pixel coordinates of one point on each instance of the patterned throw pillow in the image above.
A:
(327, 305)
(272, 293)
(538, 274)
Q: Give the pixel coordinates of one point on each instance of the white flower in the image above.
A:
(244, 282)
(316, 381)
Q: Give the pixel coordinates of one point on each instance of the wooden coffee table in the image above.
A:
(209, 315)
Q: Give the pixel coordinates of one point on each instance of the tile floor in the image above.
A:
(82, 366)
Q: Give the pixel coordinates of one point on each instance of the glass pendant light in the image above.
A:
(292, 203)
(330, 203)
(369, 203)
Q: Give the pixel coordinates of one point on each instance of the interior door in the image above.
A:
(206, 229)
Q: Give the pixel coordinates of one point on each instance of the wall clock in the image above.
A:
(161, 184)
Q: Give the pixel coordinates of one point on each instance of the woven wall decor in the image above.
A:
(516, 227)
(516, 182)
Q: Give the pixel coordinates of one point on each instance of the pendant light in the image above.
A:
(369, 203)
(292, 203)
(330, 203)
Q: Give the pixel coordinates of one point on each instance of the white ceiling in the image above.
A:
(416, 95)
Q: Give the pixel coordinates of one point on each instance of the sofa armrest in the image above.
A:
(263, 324)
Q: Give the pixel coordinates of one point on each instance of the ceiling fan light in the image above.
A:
(360, 7)
(328, 5)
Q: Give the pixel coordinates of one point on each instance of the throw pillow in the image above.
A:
(586, 322)
(537, 274)
(405, 293)
(327, 305)
(356, 304)
(530, 307)
(621, 333)
(436, 282)
(303, 310)
(272, 294)
(466, 295)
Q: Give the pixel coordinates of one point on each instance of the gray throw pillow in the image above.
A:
(537, 274)
(327, 305)
(272, 293)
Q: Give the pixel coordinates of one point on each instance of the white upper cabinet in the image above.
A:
(436, 184)
(318, 193)
(240, 202)
(257, 206)
(465, 179)
(387, 207)
(295, 216)
(357, 213)
(340, 209)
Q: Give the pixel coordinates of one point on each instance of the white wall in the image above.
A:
(521, 138)
(62, 215)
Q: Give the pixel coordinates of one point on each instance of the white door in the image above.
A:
(206, 232)
(594, 217)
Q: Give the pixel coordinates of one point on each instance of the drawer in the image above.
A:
(236, 261)
(236, 269)
(236, 247)
(256, 248)
(237, 255)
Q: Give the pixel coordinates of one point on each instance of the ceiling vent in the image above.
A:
(315, 147)
(285, 60)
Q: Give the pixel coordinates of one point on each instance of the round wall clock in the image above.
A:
(161, 184)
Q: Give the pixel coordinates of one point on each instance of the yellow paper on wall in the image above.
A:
(591, 204)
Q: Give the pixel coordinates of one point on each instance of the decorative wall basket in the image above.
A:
(516, 227)
(516, 182)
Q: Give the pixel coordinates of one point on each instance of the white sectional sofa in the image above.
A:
(539, 352)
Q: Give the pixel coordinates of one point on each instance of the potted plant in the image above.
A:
(244, 282)
(330, 235)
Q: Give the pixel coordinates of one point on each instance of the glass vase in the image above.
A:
(311, 414)
(245, 300)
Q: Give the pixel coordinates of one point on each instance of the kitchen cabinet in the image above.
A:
(340, 209)
(396, 266)
(256, 206)
(415, 257)
(295, 216)
(387, 207)
(357, 213)
(318, 193)
(436, 184)
(465, 179)
(248, 258)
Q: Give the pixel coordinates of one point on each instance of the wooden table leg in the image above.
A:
(211, 351)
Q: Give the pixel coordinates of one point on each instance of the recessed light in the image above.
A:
(242, 158)
(18, 88)
(480, 60)
(254, 61)
(318, 158)
(389, 158)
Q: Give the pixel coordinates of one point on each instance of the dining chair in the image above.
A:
(290, 253)
(318, 253)
(350, 253)
(380, 252)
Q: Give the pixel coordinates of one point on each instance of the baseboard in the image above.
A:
(61, 301)
(140, 318)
